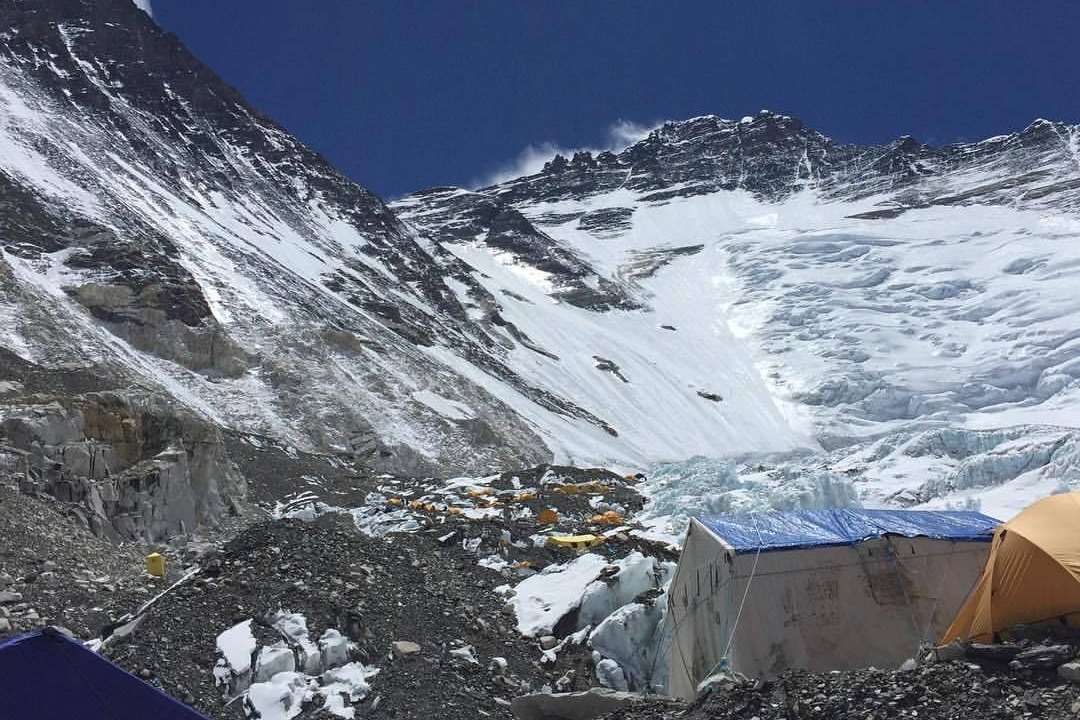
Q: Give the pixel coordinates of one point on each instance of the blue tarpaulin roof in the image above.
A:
(776, 530)
(45, 675)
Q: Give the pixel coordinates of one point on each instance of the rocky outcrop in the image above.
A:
(772, 156)
(457, 216)
(140, 319)
(133, 464)
(168, 230)
(594, 703)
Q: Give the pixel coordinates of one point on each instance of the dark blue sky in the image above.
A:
(403, 95)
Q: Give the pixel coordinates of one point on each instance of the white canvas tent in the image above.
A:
(818, 589)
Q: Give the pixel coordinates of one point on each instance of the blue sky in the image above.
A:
(403, 95)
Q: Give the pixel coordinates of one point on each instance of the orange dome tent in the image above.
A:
(1032, 574)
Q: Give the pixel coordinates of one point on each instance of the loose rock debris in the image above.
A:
(1004, 681)
(389, 601)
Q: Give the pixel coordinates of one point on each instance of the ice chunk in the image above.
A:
(704, 486)
(611, 675)
(334, 648)
(275, 659)
(223, 677)
(631, 636)
(280, 698)
(293, 626)
(542, 600)
(637, 574)
(345, 684)
(237, 645)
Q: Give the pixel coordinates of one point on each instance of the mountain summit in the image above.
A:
(723, 288)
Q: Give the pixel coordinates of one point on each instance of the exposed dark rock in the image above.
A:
(646, 263)
(609, 366)
(606, 222)
(461, 216)
(594, 703)
(1042, 657)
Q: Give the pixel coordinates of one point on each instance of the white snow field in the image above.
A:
(929, 359)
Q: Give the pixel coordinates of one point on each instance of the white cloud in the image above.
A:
(620, 135)
(624, 133)
(145, 6)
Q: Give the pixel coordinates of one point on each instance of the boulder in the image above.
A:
(1069, 671)
(1043, 657)
(723, 681)
(955, 650)
(1000, 652)
(595, 703)
(404, 648)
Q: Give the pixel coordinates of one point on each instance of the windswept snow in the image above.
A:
(449, 409)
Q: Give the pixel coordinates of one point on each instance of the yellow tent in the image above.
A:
(1032, 574)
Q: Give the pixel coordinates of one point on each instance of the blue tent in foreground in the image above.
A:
(776, 530)
(45, 675)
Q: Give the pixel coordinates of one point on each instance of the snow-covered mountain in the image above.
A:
(901, 317)
(906, 313)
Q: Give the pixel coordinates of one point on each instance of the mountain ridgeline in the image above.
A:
(180, 277)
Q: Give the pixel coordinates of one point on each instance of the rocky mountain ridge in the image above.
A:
(721, 288)
(773, 156)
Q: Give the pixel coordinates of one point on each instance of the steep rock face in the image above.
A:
(458, 216)
(239, 271)
(773, 156)
(134, 464)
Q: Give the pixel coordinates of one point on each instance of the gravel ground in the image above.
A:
(54, 571)
(957, 690)
(375, 591)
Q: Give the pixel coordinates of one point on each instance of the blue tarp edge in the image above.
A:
(776, 530)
